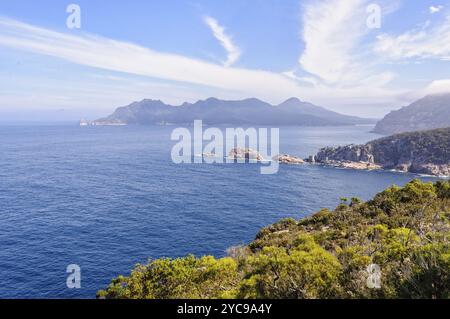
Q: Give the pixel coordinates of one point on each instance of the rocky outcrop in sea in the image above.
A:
(288, 159)
(245, 154)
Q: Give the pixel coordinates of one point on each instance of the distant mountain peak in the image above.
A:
(253, 99)
(151, 101)
(210, 100)
(292, 100)
(147, 102)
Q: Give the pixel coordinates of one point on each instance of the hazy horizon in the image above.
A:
(69, 116)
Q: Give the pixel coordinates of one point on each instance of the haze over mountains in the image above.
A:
(216, 112)
(430, 112)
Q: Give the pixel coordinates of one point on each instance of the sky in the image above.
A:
(356, 57)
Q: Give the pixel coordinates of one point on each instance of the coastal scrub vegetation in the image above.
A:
(403, 230)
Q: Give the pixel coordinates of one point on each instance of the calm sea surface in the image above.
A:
(106, 198)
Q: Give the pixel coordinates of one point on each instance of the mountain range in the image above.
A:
(430, 112)
(214, 111)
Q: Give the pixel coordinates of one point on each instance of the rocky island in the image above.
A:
(423, 152)
(213, 111)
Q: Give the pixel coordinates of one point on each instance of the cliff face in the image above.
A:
(428, 113)
(350, 153)
(424, 152)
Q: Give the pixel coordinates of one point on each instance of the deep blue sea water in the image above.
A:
(106, 198)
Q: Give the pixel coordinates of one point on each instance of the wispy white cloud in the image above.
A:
(104, 53)
(233, 52)
(331, 32)
(436, 9)
(427, 42)
(334, 33)
(438, 86)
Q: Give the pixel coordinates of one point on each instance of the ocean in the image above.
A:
(107, 198)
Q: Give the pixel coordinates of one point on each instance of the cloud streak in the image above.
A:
(331, 31)
(429, 42)
(436, 9)
(233, 52)
(108, 54)
(334, 33)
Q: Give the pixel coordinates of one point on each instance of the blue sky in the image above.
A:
(176, 51)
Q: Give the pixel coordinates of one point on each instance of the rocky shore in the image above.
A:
(424, 152)
(288, 159)
(357, 157)
(353, 165)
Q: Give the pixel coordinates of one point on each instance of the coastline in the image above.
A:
(381, 169)
(290, 160)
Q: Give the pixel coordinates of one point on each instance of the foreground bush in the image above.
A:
(402, 230)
